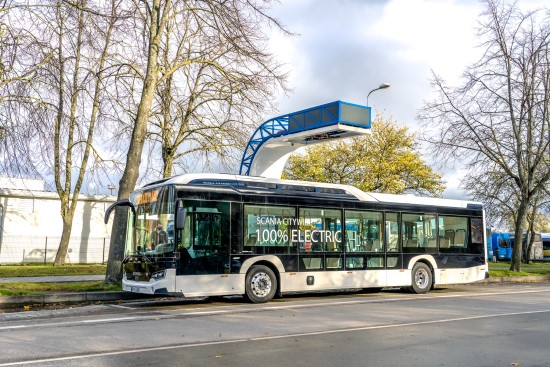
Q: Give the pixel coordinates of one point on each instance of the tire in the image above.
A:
(261, 284)
(421, 278)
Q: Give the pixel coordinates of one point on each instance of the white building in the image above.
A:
(31, 225)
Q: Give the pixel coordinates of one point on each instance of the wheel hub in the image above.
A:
(261, 284)
(421, 278)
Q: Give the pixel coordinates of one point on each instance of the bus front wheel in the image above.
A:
(261, 284)
(421, 278)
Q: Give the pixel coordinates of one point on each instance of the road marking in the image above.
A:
(116, 319)
(79, 322)
(121, 306)
(14, 327)
(261, 338)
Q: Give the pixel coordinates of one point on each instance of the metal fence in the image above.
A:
(41, 249)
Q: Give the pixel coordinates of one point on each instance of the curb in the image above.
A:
(522, 279)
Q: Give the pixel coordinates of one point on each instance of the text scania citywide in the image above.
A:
(286, 221)
(294, 235)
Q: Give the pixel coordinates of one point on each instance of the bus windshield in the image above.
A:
(154, 223)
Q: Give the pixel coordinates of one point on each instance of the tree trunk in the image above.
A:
(133, 159)
(65, 237)
(530, 235)
(518, 237)
(168, 160)
(127, 184)
(116, 251)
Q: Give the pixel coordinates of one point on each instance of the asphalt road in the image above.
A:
(481, 325)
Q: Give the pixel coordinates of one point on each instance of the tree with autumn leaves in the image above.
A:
(388, 161)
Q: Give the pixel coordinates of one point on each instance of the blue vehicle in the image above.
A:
(489, 244)
(502, 246)
(545, 237)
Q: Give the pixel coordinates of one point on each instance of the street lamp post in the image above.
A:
(111, 187)
(381, 86)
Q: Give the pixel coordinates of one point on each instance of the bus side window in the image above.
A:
(321, 229)
(392, 232)
(455, 234)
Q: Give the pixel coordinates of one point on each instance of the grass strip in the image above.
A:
(24, 288)
(37, 270)
(502, 269)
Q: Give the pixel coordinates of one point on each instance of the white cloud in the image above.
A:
(346, 48)
(439, 35)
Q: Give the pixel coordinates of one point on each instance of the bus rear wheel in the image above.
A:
(421, 279)
(261, 284)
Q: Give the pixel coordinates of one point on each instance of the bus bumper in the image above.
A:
(134, 287)
(163, 285)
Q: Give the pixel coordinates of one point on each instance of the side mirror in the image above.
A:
(114, 205)
(181, 215)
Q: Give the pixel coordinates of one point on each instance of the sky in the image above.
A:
(344, 49)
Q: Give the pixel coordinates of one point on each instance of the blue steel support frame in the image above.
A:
(308, 119)
(269, 129)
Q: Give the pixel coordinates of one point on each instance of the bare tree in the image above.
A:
(209, 104)
(21, 53)
(235, 25)
(56, 112)
(498, 192)
(78, 138)
(21, 57)
(499, 119)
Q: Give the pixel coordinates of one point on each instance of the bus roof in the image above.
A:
(218, 179)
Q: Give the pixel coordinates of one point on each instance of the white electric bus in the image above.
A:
(216, 234)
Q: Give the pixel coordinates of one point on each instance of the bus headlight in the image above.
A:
(158, 275)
